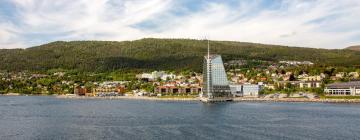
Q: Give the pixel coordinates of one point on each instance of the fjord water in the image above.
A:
(52, 118)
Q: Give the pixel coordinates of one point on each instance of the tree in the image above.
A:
(292, 77)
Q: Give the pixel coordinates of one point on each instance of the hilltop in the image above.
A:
(354, 48)
(158, 54)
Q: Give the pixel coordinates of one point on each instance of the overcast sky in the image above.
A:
(306, 23)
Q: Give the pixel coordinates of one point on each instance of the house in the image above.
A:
(140, 93)
(59, 74)
(311, 78)
(300, 84)
(235, 79)
(269, 86)
(322, 75)
(37, 76)
(354, 74)
(310, 84)
(343, 89)
(263, 79)
(165, 77)
(80, 90)
(340, 75)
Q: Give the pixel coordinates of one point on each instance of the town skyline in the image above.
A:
(315, 24)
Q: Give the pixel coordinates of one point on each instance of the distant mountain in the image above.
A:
(355, 48)
(165, 54)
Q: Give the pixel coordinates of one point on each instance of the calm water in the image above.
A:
(51, 118)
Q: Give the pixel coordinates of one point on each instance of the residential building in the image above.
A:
(173, 89)
(109, 91)
(112, 88)
(311, 78)
(300, 84)
(310, 84)
(80, 90)
(354, 74)
(155, 75)
(140, 93)
(269, 86)
(251, 90)
(340, 75)
(296, 62)
(343, 89)
(168, 77)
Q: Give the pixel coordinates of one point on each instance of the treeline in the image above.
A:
(158, 54)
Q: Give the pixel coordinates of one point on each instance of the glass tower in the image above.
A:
(215, 83)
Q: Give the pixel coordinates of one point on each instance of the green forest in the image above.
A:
(158, 54)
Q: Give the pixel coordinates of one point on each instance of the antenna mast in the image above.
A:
(208, 43)
(208, 70)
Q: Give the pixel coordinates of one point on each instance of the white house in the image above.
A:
(168, 76)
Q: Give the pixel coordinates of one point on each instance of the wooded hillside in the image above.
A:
(161, 54)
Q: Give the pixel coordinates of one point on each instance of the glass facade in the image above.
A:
(215, 82)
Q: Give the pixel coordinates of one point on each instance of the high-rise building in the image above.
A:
(215, 85)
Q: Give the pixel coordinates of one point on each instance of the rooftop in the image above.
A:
(355, 84)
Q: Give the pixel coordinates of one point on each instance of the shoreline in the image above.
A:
(298, 100)
(11, 94)
(128, 97)
(238, 99)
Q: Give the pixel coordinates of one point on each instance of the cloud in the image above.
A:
(8, 36)
(313, 23)
(269, 26)
(42, 21)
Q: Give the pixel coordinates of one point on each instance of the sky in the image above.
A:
(331, 24)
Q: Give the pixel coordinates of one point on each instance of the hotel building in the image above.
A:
(215, 84)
